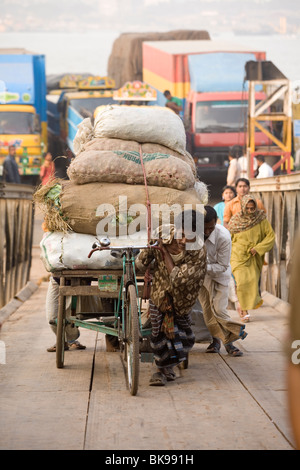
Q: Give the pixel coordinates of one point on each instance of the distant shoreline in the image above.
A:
(77, 52)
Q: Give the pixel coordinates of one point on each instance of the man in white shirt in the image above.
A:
(213, 295)
(264, 170)
(243, 162)
(234, 171)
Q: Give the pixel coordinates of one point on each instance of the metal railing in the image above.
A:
(281, 198)
(16, 232)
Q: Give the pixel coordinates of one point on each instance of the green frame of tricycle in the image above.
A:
(125, 323)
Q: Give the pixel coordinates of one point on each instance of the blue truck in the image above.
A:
(70, 99)
(23, 110)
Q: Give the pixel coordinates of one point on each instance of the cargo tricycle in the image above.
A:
(121, 314)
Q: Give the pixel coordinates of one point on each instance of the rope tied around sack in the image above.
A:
(148, 276)
(147, 196)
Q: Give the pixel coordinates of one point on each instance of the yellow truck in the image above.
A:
(23, 116)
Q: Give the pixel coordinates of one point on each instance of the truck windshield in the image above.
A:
(221, 116)
(18, 123)
(86, 106)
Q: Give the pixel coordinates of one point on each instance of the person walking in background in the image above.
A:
(213, 295)
(232, 207)
(243, 162)
(10, 167)
(234, 171)
(264, 170)
(173, 102)
(228, 193)
(252, 237)
(47, 172)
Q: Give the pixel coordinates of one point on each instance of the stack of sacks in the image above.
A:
(110, 153)
(107, 168)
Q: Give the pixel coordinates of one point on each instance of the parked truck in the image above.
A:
(23, 117)
(208, 76)
(76, 98)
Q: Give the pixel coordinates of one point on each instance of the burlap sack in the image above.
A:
(84, 208)
(126, 167)
(132, 146)
(142, 124)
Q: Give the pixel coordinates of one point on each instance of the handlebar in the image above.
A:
(98, 247)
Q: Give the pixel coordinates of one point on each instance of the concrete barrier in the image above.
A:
(17, 301)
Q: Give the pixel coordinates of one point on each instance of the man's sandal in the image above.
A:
(76, 345)
(233, 351)
(53, 348)
(158, 379)
(214, 347)
(169, 374)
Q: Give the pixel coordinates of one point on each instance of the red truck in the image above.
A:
(208, 76)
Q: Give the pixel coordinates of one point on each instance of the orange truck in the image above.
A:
(208, 76)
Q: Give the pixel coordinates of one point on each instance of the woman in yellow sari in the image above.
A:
(252, 236)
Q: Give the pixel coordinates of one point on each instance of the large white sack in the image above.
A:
(61, 251)
(142, 124)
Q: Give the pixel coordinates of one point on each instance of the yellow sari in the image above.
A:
(246, 268)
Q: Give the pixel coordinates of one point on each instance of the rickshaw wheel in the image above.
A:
(132, 340)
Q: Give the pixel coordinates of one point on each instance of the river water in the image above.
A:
(89, 52)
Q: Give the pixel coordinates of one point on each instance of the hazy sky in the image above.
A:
(125, 15)
(101, 21)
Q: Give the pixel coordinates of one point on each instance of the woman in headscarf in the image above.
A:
(178, 275)
(252, 236)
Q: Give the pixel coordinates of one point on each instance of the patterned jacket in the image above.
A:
(183, 283)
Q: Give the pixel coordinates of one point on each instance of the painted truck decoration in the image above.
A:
(135, 91)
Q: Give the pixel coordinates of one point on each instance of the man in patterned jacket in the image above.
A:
(178, 276)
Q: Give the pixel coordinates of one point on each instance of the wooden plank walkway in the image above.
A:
(220, 402)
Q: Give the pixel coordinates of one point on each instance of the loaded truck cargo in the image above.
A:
(208, 76)
(125, 62)
(23, 117)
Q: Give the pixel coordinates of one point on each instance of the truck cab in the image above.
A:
(23, 119)
(74, 100)
(214, 122)
(20, 126)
